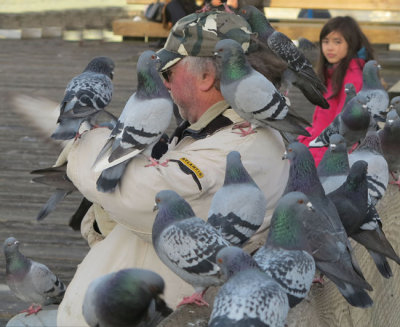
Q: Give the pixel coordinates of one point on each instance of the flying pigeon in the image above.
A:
(128, 297)
(306, 79)
(351, 201)
(29, 280)
(283, 256)
(249, 297)
(332, 250)
(186, 244)
(146, 116)
(251, 94)
(352, 123)
(370, 150)
(334, 166)
(85, 98)
(390, 136)
(373, 91)
(238, 208)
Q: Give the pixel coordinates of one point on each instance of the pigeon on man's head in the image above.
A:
(146, 116)
(128, 297)
(336, 258)
(334, 166)
(251, 94)
(186, 244)
(352, 123)
(284, 256)
(85, 97)
(238, 208)
(352, 202)
(29, 280)
(373, 90)
(249, 297)
(306, 79)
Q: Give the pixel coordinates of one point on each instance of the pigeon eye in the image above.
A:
(290, 150)
(219, 260)
(153, 57)
(300, 201)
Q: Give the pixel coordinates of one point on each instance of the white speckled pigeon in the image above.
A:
(331, 250)
(128, 297)
(186, 244)
(29, 280)
(251, 94)
(306, 79)
(85, 97)
(146, 116)
(283, 255)
(249, 297)
(238, 208)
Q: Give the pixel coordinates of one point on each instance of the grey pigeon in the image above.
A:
(249, 297)
(128, 297)
(186, 244)
(395, 104)
(370, 150)
(283, 256)
(373, 91)
(352, 123)
(29, 280)
(390, 136)
(251, 94)
(238, 208)
(332, 250)
(86, 96)
(57, 178)
(351, 201)
(146, 116)
(309, 49)
(306, 79)
(334, 166)
(350, 91)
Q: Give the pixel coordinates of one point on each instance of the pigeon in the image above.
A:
(283, 256)
(86, 96)
(251, 94)
(128, 297)
(336, 259)
(306, 79)
(56, 177)
(351, 201)
(146, 116)
(352, 123)
(395, 104)
(186, 244)
(390, 136)
(350, 91)
(29, 280)
(309, 49)
(334, 166)
(373, 91)
(249, 297)
(370, 150)
(238, 208)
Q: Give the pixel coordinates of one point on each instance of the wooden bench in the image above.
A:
(376, 31)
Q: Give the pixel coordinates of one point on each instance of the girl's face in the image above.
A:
(334, 47)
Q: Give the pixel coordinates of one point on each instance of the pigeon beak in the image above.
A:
(310, 206)
(284, 156)
(332, 146)
(155, 208)
(112, 75)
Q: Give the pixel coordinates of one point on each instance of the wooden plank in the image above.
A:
(143, 28)
(139, 2)
(388, 5)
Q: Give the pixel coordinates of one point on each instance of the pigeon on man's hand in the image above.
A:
(146, 116)
(306, 79)
(284, 256)
(128, 297)
(252, 95)
(86, 96)
(249, 297)
(29, 280)
(238, 208)
(186, 244)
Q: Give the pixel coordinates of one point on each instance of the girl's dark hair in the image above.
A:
(356, 40)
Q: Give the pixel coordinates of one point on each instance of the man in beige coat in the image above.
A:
(196, 162)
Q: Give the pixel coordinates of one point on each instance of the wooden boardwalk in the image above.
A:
(43, 68)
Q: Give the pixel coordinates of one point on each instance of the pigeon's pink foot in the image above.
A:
(227, 9)
(319, 280)
(195, 298)
(32, 310)
(242, 127)
(155, 163)
(396, 181)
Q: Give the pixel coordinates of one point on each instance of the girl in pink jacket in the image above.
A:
(344, 49)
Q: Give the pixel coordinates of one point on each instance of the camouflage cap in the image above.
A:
(197, 34)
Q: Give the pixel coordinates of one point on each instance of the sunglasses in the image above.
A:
(166, 74)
